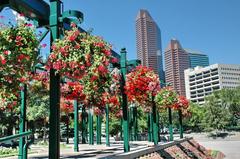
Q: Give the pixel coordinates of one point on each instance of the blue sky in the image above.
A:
(209, 26)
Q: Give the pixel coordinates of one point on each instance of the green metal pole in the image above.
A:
(180, 123)
(76, 134)
(170, 124)
(90, 122)
(107, 126)
(7, 138)
(25, 148)
(135, 124)
(84, 131)
(22, 119)
(124, 101)
(121, 132)
(155, 127)
(99, 130)
(67, 125)
(158, 127)
(130, 124)
(149, 127)
(54, 128)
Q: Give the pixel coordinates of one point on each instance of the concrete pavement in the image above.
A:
(230, 148)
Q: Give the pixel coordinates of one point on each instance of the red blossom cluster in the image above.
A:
(142, 84)
(79, 54)
(18, 54)
(73, 91)
(97, 111)
(113, 95)
(182, 103)
(66, 106)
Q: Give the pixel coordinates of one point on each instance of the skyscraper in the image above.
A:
(176, 61)
(197, 58)
(149, 46)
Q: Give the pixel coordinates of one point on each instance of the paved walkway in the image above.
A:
(230, 148)
(87, 151)
(229, 145)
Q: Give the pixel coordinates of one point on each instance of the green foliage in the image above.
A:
(38, 102)
(9, 119)
(142, 120)
(217, 115)
(18, 54)
(163, 118)
(197, 115)
(115, 126)
(166, 98)
(220, 111)
(4, 152)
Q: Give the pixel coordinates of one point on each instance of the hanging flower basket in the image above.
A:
(78, 54)
(166, 98)
(142, 85)
(182, 103)
(18, 54)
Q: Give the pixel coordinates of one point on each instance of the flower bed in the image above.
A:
(185, 150)
(176, 152)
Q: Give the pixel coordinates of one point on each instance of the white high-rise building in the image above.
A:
(202, 81)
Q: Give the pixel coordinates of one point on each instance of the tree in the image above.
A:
(230, 100)
(195, 120)
(38, 103)
(216, 114)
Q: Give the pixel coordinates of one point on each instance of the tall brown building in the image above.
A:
(176, 61)
(148, 36)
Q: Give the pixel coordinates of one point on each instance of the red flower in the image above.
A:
(107, 52)
(28, 25)
(73, 25)
(72, 38)
(7, 52)
(4, 62)
(93, 78)
(102, 69)
(18, 38)
(77, 46)
(20, 57)
(82, 67)
(114, 60)
(99, 44)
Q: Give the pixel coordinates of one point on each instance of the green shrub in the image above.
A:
(4, 152)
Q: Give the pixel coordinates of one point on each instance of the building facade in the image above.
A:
(176, 61)
(149, 47)
(197, 58)
(202, 81)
